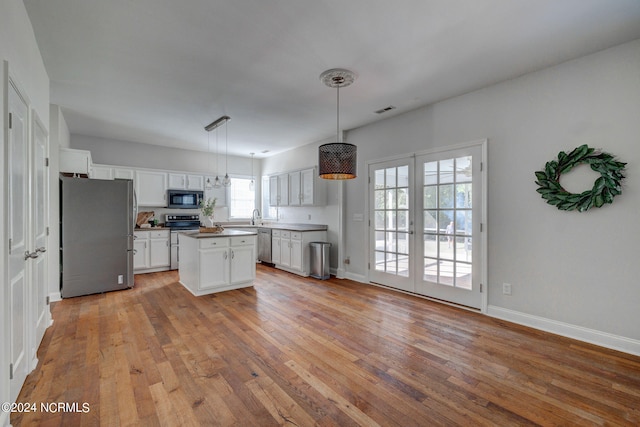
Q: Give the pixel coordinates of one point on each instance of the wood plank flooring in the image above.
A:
(302, 352)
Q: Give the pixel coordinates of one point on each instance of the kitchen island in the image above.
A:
(217, 262)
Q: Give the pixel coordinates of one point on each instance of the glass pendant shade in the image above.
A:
(216, 183)
(208, 185)
(226, 181)
(337, 160)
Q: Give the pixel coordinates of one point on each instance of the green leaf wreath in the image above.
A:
(604, 188)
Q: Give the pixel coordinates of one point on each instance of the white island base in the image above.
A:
(217, 262)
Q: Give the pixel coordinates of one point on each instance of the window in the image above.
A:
(242, 200)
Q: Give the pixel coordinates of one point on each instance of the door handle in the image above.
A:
(41, 249)
(32, 255)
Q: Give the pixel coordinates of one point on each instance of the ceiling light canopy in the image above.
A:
(337, 160)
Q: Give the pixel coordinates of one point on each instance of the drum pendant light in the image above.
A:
(337, 160)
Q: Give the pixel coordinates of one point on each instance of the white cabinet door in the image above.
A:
(295, 190)
(141, 251)
(276, 243)
(285, 249)
(296, 254)
(243, 261)
(177, 181)
(273, 190)
(101, 172)
(122, 173)
(214, 267)
(74, 161)
(195, 182)
(283, 189)
(151, 188)
(308, 187)
(159, 255)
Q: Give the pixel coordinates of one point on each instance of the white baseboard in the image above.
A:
(356, 277)
(592, 336)
(55, 296)
(4, 418)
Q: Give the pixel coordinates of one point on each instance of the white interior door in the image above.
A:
(40, 211)
(425, 224)
(18, 209)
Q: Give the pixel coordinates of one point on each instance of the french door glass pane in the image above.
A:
(391, 220)
(448, 192)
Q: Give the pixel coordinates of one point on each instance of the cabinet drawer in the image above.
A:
(286, 234)
(276, 233)
(159, 234)
(296, 235)
(141, 234)
(242, 240)
(216, 242)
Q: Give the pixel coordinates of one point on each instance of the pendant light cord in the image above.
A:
(338, 114)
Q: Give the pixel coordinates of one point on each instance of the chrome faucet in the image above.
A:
(253, 216)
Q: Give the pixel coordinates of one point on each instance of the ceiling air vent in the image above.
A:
(385, 109)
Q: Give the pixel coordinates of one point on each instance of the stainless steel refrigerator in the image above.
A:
(96, 233)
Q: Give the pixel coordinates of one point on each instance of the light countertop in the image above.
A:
(195, 234)
(283, 226)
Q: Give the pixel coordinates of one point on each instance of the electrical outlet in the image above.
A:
(120, 279)
(506, 288)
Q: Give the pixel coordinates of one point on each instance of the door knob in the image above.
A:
(28, 255)
(41, 249)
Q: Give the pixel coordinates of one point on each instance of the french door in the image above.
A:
(425, 224)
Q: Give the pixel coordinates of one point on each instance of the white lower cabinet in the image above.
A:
(151, 251)
(216, 263)
(290, 249)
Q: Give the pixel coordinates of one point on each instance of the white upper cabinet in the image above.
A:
(124, 173)
(273, 190)
(75, 161)
(101, 172)
(297, 188)
(283, 189)
(151, 187)
(279, 190)
(295, 191)
(183, 181)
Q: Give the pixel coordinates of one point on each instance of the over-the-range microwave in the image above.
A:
(184, 199)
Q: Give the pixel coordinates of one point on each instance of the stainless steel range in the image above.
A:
(179, 223)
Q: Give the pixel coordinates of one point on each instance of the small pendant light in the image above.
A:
(208, 185)
(216, 182)
(226, 181)
(337, 160)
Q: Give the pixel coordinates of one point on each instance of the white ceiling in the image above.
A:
(158, 71)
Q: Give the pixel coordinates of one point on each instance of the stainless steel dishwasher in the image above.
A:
(264, 245)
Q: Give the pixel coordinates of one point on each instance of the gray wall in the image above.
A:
(578, 269)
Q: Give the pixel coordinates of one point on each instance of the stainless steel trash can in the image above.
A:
(319, 260)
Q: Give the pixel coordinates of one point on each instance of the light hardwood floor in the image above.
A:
(301, 352)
